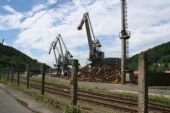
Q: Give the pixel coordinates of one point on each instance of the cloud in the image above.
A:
(10, 21)
(148, 22)
(9, 9)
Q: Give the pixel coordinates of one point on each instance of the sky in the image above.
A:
(148, 22)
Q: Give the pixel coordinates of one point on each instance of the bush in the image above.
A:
(71, 109)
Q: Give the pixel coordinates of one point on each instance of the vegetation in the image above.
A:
(158, 58)
(71, 109)
(111, 61)
(10, 57)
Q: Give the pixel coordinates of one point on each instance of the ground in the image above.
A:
(13, 101)
(9, 105)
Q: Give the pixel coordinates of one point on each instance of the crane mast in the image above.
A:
(95, 54)
(63, 56)
(124, 36)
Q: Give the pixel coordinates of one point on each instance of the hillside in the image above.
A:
(158, 58)
(10, 57)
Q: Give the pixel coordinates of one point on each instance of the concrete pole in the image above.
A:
(123, 43)
(12, 75)
(27, 75)
(74, 83)
(43, 79)
(8, 75)
(142, 84)
(123, 61)
(0, 74)
(18, 78)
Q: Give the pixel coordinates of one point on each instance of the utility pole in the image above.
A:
(124, 36)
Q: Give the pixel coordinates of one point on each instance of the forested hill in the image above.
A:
(10, 57)
(158, 58)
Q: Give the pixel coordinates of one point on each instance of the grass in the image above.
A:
(47, 80)
(159, 99)
(4, 81)
(56, 104)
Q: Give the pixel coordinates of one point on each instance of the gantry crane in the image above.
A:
(63, 56)
(95, 54)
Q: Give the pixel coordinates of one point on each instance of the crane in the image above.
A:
(63, 55)
(95, 54)
(58, 60)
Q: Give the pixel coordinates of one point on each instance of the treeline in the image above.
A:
(10, 57)
(158, 58)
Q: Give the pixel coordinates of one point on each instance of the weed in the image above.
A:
(71, 109)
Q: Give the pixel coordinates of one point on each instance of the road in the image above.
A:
(9, 105)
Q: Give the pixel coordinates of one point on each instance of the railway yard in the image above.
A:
(91, 95)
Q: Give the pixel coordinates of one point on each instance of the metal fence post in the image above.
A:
(12, 75)
(74, 84)
(18, 78)
(142, 84)
(43, 79)
(27, 75)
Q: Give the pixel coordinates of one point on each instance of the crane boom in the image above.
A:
(95, 54)
(85, 20)
(53, 46)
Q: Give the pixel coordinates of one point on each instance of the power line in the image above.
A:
(34, 21)
(41, 16)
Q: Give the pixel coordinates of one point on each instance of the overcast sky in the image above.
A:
(148, 22)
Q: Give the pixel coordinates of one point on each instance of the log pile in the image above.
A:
(101, 73)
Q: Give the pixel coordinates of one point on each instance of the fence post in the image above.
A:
(43, 79)
(27, 75)
(12, 75)
(4, 74)
(74, 84)
(8, 75)
(18, 78)
(0, 74)
(142, 84)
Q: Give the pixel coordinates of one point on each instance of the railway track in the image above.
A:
(116, 102)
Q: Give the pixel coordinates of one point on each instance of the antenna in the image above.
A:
(124, 36)
(2, 41)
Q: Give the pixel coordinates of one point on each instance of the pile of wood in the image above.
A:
(101, 73)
